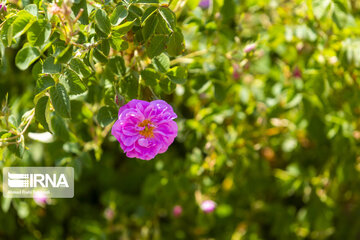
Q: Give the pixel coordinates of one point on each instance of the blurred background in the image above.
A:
(269, 131)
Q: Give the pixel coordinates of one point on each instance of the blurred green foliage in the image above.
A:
(267, 96)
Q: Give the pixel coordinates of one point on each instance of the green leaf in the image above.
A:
(228, 10)
(63, 55)
(26, 56)
(81, 4)
(118, 43)
(169, 17)
(119, 14)
(149, 26)
(130, 86)
(36, 70)
(59, 128)
(103, 21)
(177, 74)
(162, 27)
(80, 67)
(150, 76)
(106, 115)
(32, 8)
(99, 56)
(320, 7)
(39, 32)
(167, 86)
(73, 83)
(42, 112)
(176, 45)
(161, 63)
(60, 100)
(50, 67)
(156, 45)
(43, 83)
(123, 28)
(22, 23)
(117, 65)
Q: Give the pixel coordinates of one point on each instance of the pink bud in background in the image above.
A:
(297, 72)
(249, 47)
(54, 9)
(177, 211)
(40, 198)
(204, 4)
(208, 206)
(236, 73)
(2, 8)
(109, 214)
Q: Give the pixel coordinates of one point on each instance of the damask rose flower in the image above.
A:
(145, 129)
(208, 206)
(177, 211)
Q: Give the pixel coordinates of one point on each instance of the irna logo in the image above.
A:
(24, 182)
(18, 180)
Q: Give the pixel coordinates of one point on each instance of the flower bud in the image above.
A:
(177, 211)
(2, 9)
(109, 214)
(40, 198)
(204, 4)
(208, 206)
(250, 47)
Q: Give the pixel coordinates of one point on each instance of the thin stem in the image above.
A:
(189, 56)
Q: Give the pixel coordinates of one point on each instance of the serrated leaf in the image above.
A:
(26, 56)
(103, 21)
(117, 65)
(50, 67)
(60, 100)
(119, 14)
(106, 115)
(39, 32)
(80, 67)
(169, 17)
(156, 45)
(161, 63)
(36, 70)
(150, 76)
(22, 23)
(73, 83)
(149, 26)
(176, 45)
(130, 86)
(42, 112)
(99, 56)
(162, 27)
(63, 55)
(177, 74)
(59, 128)
(43, 83)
